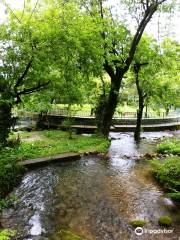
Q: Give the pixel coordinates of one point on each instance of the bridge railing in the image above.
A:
(83, 113)
(89, 114)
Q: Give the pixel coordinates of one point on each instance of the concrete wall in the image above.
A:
(57, 120)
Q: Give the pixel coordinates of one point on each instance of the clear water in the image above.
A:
(94, 197)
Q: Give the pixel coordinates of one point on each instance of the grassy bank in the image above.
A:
(169, 146)
(167, 170)
(42, 144)
(49, 143)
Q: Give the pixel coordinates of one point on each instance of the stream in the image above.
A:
(94, 197)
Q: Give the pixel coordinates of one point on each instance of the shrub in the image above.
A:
(170, 146)
(10, 174)
(7, 202)
(175, 196)
(167, 173)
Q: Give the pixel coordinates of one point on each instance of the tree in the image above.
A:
(73, 49)
(41, 47)
(146, 66)
(168, 77)
(119, 48)
(22, 67)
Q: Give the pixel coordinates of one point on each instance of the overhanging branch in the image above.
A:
(150, 10)
(31, 90)
(20, 79)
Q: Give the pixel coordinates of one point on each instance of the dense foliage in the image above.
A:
(169, 146)
(167, 173)
(7, 234)
(77, 52)
(10, 173)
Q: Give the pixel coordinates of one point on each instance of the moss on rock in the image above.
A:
(137, 223)
(165, 221)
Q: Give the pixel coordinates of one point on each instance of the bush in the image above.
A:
(167, 173)
(175, 196)
(7, 202)
(10, 174)
(170, 146)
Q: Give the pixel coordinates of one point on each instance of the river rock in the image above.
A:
(150, 155)
(169, 203)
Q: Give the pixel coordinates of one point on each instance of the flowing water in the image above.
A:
(94, 197)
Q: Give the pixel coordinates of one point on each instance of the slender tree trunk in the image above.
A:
(137, 133)
(146, 113)
(142, 97)
(167, 111)
(6, 121)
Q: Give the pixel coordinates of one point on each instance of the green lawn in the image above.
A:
(48, 143)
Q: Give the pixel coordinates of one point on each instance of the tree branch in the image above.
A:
(20, 79)
(8, 7)
(150, 9)
(31, 90)
(108, 68)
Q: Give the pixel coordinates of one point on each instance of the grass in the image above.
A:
(54, 142)
(169, 146)
(167, 171)
(7, 234)
(50, 143)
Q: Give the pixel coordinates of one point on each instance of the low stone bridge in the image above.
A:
(87, 124)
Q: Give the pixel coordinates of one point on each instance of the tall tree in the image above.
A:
(73, 49)
(41, 47)
(22, 67)
(146, 66)
(119, 48)
(168, 77)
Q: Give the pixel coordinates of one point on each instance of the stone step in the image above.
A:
(51, 159)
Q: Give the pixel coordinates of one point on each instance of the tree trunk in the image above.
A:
(107, 106)
(167, 111)
(146, 113)
(137, 67)
(6, 121)
(137, 133)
